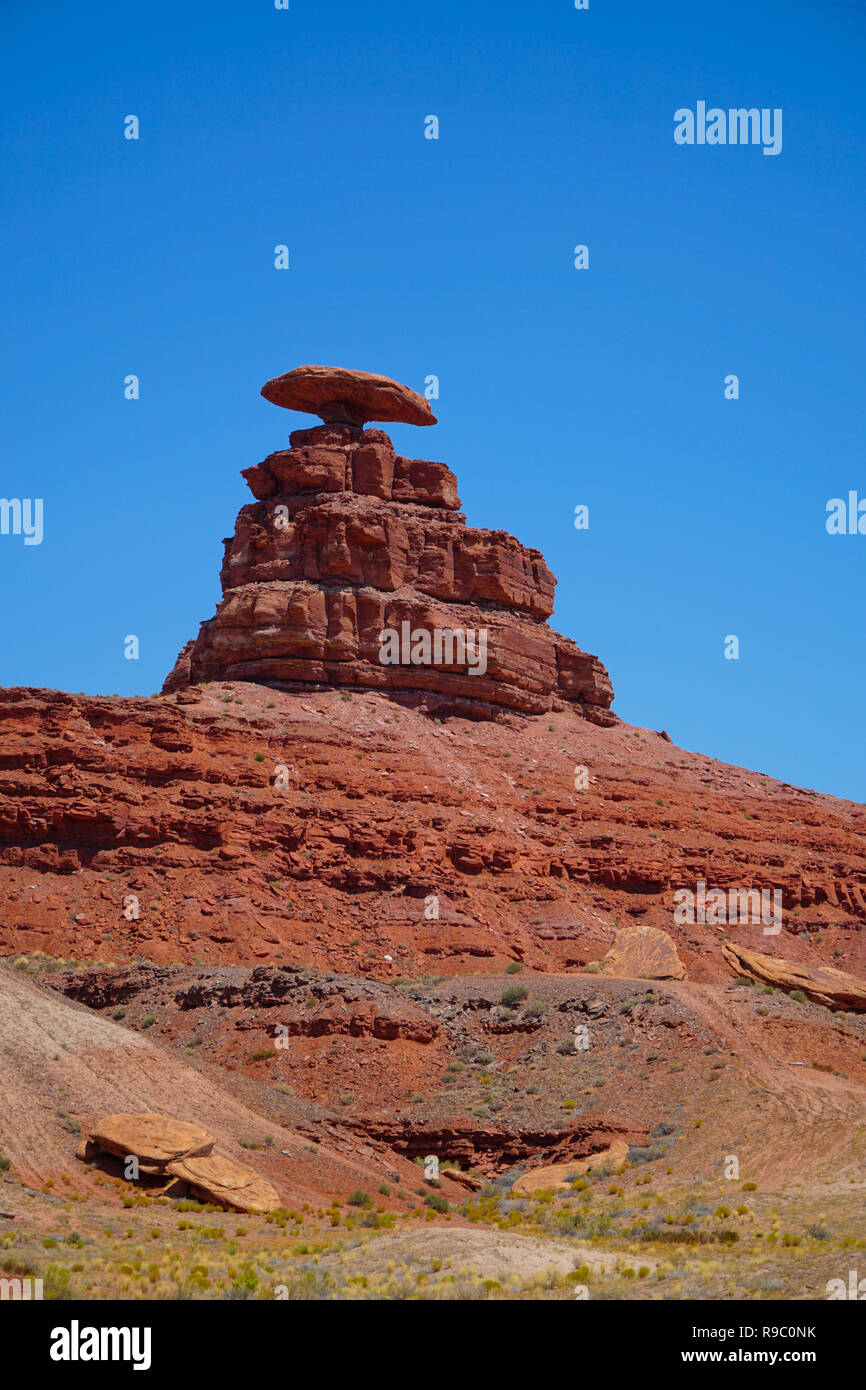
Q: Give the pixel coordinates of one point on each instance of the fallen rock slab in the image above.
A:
(472, 1184)
(556, 1176)
(823, 984)
(155, 1140)
(226, 1183)
(643, 953)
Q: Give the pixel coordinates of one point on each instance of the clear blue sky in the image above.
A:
(454, 257)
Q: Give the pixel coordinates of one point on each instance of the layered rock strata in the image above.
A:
(348, 542)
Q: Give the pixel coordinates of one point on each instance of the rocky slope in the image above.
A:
(61, 1065)
(377, 756)
(356, 913)
(236, 824)
(369, 907)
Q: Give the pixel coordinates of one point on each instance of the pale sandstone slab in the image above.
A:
(155, 1140)
(822, 984)
(556, 1176)
(643, 953)
(227, 1183)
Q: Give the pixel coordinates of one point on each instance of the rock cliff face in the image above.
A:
(354, 567)
(236, 824)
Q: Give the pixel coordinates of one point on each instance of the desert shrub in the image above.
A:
(818, 1232)
(513, 994)
(437, 1202)
(246, 1284)
(55, 1284)
(646, 1154)
(687, 1236)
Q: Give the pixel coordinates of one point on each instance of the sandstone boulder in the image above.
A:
(226, 1183)
(821, 983)
(556, 1176)
(155, 1140)
(643, 953)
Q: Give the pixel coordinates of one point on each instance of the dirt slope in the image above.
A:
(60, 1063)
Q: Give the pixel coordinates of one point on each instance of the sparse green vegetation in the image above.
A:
(513, 994)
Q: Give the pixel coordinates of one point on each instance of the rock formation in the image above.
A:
(341, 397)
(226, 1183)
(823, 984)
(643, 953)
(169, 1148)
(354, 567)
(557, 1177)
(155, 1140)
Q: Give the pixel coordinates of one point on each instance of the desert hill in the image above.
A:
(173, 802)
(380, 878)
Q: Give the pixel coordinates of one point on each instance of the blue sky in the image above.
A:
(455, 258)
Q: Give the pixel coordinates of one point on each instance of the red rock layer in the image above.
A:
(347, 539)
(176, 802)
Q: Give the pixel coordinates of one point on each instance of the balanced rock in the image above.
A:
(340, 396)
(823, 984)
(354, 567)
(226, 1183)
(155, 1140)
(643, 953)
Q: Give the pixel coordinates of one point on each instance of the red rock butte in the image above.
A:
(348, 540)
